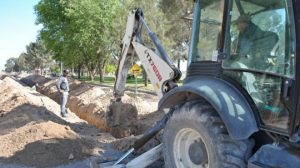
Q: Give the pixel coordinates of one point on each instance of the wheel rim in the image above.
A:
(190, 150)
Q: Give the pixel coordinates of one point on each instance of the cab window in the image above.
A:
(261, 57)
(211, 17)
(262, 39)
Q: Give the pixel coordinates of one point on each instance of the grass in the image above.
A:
(130, 83)
(111, 81)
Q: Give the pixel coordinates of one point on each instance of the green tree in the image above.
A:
(177, 13)
(155, 19)
(37, 56)
(56, 32)
(79, 32)
(93, 22)
(22, 62)
(12, 65)
(110, 68)
(89, 32)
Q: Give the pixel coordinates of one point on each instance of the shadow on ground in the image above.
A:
(50, 151)
(24, 114)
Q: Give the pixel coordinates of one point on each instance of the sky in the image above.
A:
(17, 27)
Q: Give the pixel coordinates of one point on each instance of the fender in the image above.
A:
(228, 101)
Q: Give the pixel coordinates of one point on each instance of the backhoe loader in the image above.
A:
(239, 105)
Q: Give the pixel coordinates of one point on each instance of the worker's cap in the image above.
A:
(66, 71)
(242, 19)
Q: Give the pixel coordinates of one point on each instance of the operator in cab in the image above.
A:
(253, 45)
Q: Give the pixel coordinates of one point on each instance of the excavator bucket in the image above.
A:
(113, 114)
(121, 119)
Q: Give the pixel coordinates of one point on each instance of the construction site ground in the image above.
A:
(33, 134)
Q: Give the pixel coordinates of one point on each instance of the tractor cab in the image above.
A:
(239, 104)
(252, 45)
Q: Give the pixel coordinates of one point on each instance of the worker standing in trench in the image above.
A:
(63, 87)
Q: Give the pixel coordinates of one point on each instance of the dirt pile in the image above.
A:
(21, 75)
(32, 80)
(88, 102)
(35, 141)
(11, 96)
(33, 134)
(91, 103)
(121, 118)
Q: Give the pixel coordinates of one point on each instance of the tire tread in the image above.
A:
(231, 153)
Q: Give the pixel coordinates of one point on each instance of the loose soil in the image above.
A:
(91, 103)
(32, 133)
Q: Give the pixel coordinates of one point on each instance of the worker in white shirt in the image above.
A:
(63, 87)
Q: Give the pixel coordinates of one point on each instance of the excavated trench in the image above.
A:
(32, 130)
(32, 133)
(91, 102)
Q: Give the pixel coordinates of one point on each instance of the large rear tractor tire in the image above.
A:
(196, 137)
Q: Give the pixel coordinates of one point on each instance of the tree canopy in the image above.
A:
(78, 31)
(35, 57)
(88, 33)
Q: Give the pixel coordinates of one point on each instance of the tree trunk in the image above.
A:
(72, 71)
(91, 74)
(91, 71)
(91, 77)
(61, 68)
(101, 74)
(41, 70)
(101, 66)
(79, 71)
(145, 77)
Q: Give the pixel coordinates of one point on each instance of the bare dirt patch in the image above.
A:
(33, 134)
(91, 103)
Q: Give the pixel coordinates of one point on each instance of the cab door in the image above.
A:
(261, 47)
(296, 124)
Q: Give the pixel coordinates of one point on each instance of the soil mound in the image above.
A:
(33, 134)
(91, 103)
(32, 80)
